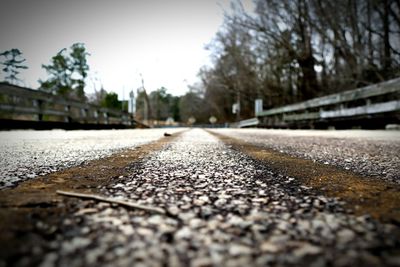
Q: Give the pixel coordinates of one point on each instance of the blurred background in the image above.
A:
(192, 62)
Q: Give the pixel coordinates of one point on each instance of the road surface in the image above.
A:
(27, 154)
(372, 153)
(223, 205)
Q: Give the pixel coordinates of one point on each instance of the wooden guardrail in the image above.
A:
(253, 122)
(378, 103)
(23, 104)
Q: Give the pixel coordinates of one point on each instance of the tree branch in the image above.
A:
(110, 200)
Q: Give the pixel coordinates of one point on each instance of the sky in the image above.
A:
(162, 40)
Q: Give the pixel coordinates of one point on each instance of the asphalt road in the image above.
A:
(221, 208)
(27, 154)
(368, 152)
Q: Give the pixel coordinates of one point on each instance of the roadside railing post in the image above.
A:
(96, 116)
(106, 119)
(67, 110)
(38, 104)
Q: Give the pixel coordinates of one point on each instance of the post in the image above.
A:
(67, 109)
(238, 106)
(105, 115)
(258, 106)
(123, 118)
(39, 105)
(96, 115)
(84, 114)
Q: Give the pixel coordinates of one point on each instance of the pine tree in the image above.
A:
(12, 63)
(67, 72)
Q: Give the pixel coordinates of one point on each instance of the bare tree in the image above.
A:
(287, 51)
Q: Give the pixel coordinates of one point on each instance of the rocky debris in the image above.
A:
(225, 209)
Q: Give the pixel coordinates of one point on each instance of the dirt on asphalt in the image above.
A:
(363, 195)
(23, 208)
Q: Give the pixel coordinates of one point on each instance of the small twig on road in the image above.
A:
(110, 200)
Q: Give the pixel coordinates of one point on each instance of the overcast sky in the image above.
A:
(162, 39)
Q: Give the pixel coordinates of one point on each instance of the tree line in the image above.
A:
(67, 76)
(293, 50)
(284, 51)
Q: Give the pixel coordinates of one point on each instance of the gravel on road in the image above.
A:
(26, 154)
(224, 209)
(369, 153)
